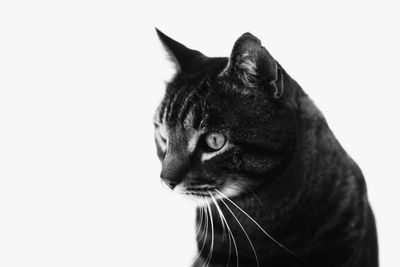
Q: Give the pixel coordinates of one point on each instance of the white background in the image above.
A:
(79, 82)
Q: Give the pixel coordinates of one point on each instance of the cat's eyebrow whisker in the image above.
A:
(262, 229)
(230, 234)
(244, 231)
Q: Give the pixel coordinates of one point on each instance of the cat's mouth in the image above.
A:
(205, 193)
(197, 193)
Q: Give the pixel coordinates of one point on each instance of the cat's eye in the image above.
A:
(215, 140)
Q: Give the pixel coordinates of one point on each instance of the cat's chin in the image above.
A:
(197, 201)
(198, 197)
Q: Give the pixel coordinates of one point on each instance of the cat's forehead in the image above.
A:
(184, 106)
(206, 107)
(189, 123)
(183, 136)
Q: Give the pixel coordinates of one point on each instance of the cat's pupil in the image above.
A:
(215, 141)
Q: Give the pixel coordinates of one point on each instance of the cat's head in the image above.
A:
(225, 124)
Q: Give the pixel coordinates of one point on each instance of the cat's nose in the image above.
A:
(170, 184)
(173, 170)
(171, 179)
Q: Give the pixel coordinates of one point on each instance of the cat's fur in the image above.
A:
(281, 164)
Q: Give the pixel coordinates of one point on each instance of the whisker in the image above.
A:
(249, 191)
(262, 229)
(209, 256)
(229, 232)
(164, 185)
(204, 234)
(220, 215)
(244, 231)
(256, 197)
(201, 222)
(200, 187)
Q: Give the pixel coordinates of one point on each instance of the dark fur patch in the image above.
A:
(295, 179)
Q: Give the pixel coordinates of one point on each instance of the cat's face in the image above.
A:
(222, 125)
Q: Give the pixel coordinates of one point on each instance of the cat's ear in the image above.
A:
(182, 56)
(252, 66)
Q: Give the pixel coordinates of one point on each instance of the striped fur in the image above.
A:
(288, 191)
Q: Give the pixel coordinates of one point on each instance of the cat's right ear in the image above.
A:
(252, 66)
(182, 56)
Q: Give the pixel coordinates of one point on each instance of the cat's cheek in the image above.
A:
(232, 187)
(237, 161)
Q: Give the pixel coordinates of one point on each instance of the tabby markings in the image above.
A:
(161, 134)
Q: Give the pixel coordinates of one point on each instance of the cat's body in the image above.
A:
(279, 170)
(326, 223)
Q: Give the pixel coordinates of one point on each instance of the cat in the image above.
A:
(274, 186)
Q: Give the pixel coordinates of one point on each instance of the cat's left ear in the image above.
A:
(183, 57)
(251, 66)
